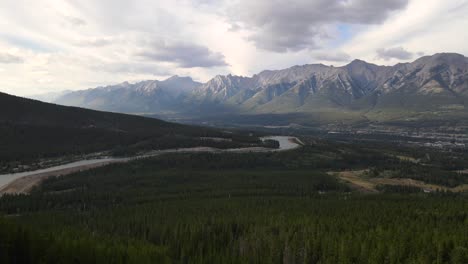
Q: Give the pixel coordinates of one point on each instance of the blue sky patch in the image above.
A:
(26, 43)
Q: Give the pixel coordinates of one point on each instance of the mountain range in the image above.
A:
(150, 96)
(430, 87)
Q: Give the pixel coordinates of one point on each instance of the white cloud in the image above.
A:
(53, 45)
(185, 55)
(9, 58)
(75, 21)
(281, 26)
(398, 53)
(426, 26)
(332, 56)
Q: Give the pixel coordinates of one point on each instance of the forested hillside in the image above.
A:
(31, 130)
(237, 208)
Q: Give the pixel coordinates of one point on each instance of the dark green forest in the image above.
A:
(233, 208)
(33, 131)
(275, 207)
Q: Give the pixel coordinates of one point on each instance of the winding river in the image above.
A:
(285, 143)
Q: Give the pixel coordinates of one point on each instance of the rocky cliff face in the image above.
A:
(431, 83)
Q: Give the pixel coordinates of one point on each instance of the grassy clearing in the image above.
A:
(360, 181)
(355, 179)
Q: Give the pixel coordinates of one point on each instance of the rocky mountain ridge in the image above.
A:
(437, 83)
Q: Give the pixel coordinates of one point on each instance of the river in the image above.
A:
(285, 143)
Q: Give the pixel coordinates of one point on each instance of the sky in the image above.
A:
(54, 45)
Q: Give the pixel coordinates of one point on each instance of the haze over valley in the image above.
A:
(424, 99)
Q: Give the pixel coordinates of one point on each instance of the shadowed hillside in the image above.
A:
(31, 129)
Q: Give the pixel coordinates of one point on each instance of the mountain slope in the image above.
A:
(142, 97)
(437, 83)
(432, 86)
(49, 97)
(31, 130)
(299, 88)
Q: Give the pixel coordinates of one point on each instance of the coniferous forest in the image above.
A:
(240, 208)
(233, 132)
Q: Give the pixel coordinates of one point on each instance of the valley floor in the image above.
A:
(255, 207)
(360, 181)
(24, 182)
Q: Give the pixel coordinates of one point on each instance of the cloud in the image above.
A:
(89, 42)
(425, 26)
(134, 68)
(282, 26)
(185, 55)
(95, 42)
(394, 53)
(337, 56)
(75, 21)
(8, 58)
